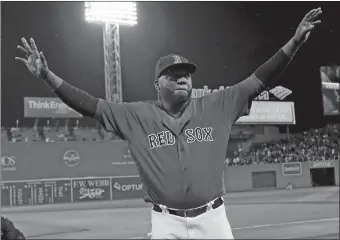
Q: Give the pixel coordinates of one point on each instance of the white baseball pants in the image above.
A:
(212, 224)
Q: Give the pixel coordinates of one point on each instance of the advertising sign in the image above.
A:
(321, 164)
(91, 189)
(330, 87)
(71, 158)
(39, 160)
(267, 107)
(291, 168)
(48, 108)
(263, 112)
(61, 190)
(276, 94)
(8, 163)
(126, 188)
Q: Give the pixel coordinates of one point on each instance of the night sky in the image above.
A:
(227, 41)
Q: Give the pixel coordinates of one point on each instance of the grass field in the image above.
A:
(311, 213)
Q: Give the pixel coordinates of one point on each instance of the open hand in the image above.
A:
(35, 60)
(307, 25)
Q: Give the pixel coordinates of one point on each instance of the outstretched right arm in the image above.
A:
(75, 98)
(113, 117)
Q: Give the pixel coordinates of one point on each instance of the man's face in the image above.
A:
(175, 83)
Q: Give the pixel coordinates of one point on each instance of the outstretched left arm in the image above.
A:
(274, 67)
(235, 101)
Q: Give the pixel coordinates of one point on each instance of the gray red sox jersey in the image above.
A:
(181, 161)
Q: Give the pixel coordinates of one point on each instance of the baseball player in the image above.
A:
(178, 142)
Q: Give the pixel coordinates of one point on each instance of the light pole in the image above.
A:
(111, 15)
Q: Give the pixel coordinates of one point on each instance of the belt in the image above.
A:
(190, 212)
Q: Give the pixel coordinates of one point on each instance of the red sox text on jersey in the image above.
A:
(165, 138)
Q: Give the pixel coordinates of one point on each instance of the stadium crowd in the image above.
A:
(57, 133)
(312, 145)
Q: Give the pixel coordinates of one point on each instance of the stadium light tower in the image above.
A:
(111, 15)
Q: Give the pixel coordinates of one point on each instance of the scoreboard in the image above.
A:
(35, 192)
(52, 191)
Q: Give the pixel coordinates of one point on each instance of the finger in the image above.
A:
(22, 49)
(43, 59)
(316, 22)
(317, 11)
(24, 42)
(307, 16)
(23, 60)
(316, 14)
(34, 47)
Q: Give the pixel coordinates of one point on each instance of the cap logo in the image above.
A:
(177, 59)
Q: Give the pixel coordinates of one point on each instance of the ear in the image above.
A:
(157, 84)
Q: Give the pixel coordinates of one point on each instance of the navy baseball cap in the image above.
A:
(173, 61)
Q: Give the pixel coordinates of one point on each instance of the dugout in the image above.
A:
(322, 174)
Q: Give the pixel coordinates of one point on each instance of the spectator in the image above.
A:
(314, 145)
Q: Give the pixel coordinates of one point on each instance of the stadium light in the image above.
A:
(112, 15)
(122, 13)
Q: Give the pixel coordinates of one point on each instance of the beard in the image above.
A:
(175, 96)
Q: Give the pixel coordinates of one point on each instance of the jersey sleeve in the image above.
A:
(116, 117)
(235, 102)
